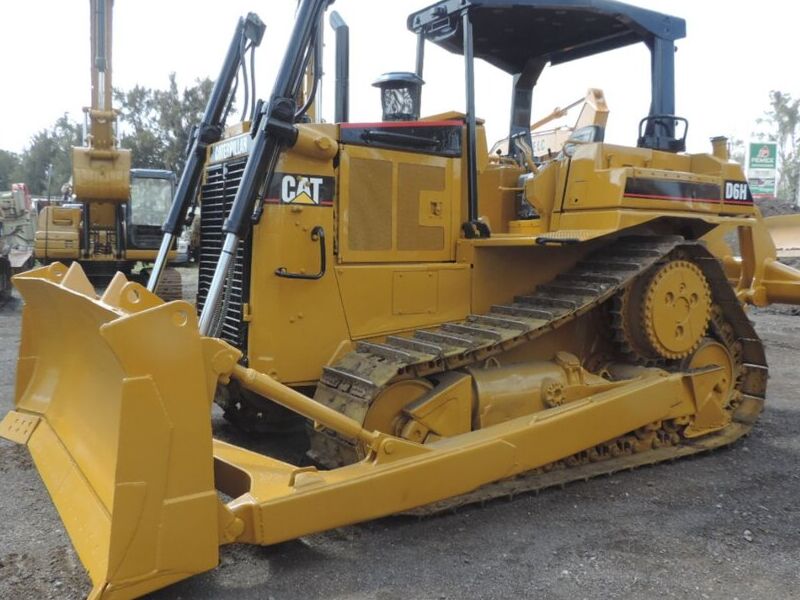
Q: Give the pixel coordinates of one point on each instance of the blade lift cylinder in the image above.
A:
(208, 132)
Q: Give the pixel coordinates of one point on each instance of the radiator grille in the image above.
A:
(216, 198)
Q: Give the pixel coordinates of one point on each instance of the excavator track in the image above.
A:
(353, 383)
(171, 285)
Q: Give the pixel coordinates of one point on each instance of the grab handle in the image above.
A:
(318, 233)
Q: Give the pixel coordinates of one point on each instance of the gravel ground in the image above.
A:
(724, 525)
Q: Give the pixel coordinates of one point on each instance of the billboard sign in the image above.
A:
(762, 169)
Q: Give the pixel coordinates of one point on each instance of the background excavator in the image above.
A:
(548, 142)
(115, 219)
(453, 324)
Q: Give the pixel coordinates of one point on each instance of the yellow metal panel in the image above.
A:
(286, 313)
(18, 427)
(423, 214)
(57, 233)
(447, 410)
(501, 272)
(103, 216)
(378, 299)
(497, 202)
(85, 517)
(415, 292)
(397, 206)
(598, 175)
(146, 255)
(526, 227)
(375, 487)
(370, 207)
(785, 233)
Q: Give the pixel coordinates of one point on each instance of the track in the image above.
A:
(351, 385)
(171, 285)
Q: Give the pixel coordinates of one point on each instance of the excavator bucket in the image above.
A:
(101, 175)
(135, 492)
(785, 232)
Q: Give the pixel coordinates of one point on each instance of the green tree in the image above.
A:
(179, 112)
(155, 124)
(9, 165)
(51, 146)
(783, 120)
(736, 149)
(138, 118)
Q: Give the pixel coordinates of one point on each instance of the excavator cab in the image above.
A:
(147, 209)
(377, 280)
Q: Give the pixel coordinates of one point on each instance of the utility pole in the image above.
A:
(49, 172)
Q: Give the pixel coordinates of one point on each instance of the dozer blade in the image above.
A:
(785, 233)
(135, 493)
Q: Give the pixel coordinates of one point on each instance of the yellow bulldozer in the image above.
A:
(454, 325)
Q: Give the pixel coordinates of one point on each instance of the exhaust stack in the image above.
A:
(342, 68)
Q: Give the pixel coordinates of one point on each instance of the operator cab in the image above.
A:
(150, 200)
(522, 37)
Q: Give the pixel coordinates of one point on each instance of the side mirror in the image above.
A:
(660, 132)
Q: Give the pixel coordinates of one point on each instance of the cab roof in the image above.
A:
(508, 33)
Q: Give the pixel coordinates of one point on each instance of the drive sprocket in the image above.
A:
(666, 313)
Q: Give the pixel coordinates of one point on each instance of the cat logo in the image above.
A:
(296, 188)
(300, 189)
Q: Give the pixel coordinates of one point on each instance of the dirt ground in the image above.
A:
(724, 525)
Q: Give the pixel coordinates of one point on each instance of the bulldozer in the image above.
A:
(112, 219)
(452, 324)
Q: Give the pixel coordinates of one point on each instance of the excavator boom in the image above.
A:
(101, 171)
